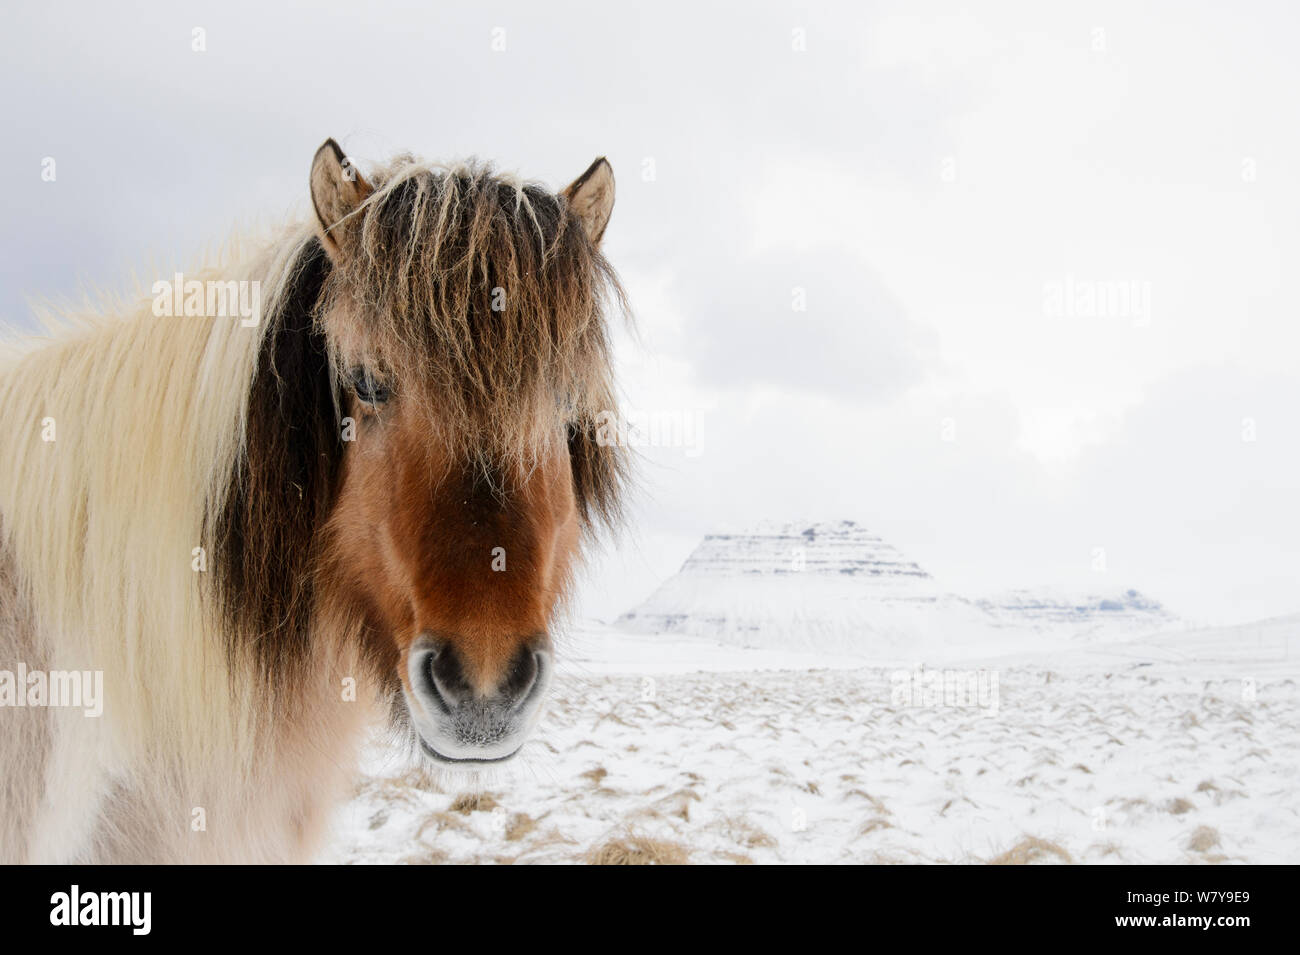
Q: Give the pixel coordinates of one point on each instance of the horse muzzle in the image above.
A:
(461, 723)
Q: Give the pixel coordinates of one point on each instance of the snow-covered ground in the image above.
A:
(1178, 748)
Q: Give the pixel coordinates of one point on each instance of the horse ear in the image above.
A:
(337, 189)
(591, 197)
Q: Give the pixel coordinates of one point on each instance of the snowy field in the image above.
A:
(1179, 748)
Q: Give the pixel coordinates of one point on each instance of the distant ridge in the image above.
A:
(837, 587)
(1047, 609)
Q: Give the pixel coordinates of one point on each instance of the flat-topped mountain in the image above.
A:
(842, 548)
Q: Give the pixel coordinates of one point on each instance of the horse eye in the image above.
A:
(368, 388)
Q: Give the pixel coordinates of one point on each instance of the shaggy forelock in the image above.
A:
(481, 295)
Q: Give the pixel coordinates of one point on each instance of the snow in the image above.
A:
(1175, 748)
(806, 693)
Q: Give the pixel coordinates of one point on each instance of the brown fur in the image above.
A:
(481, 303)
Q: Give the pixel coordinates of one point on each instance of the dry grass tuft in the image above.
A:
(871, 825)
(439, 821)
(552, 837)
(1032, 850)
(876, 804)
(744, 833)
(679, 803)
(399, 790)
(430, 857)
(520, 825)
(633, 849)
(1179, 806)
(735, 858)
(1203, 839)
(466, 803)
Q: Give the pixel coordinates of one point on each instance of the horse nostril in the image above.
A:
(447, 683)
(522, 676)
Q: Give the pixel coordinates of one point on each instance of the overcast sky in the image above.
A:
(1006, 285)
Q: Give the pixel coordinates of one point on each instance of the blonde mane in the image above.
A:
(123, 427)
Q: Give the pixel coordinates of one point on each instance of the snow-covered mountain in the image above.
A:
(836, 587)
(840, 549)
(1045, 611)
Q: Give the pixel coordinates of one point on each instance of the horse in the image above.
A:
(267, 534)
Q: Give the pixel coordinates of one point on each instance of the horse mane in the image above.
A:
(104, 516)
(180, 433)
(264, 516)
